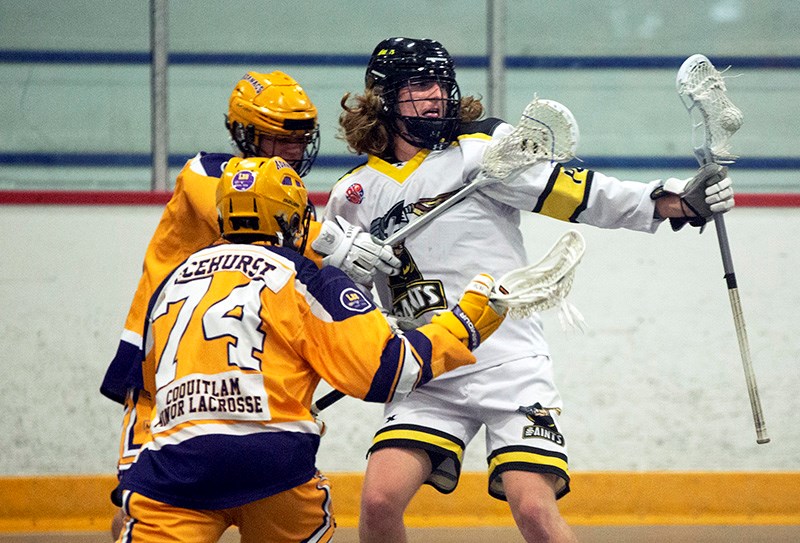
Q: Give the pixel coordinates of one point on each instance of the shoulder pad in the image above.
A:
(211, 164)
(351, 170)
(484, 126)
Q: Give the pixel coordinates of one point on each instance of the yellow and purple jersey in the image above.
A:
(237, 339)
(188, 223)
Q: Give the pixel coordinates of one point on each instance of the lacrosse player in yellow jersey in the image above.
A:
(423, 142)
(237, 338)
(268, 115)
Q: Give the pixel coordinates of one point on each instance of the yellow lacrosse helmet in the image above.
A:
(263, 199)
(275, 107)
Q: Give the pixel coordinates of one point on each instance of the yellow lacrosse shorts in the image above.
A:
(303, 513)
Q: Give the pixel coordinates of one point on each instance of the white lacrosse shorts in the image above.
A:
(517, 402)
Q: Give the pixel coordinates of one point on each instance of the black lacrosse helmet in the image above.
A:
(398, 62)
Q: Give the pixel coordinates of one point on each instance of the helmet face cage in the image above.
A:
(267, 144)
(433, 133)
(399, 63)
(263, 199)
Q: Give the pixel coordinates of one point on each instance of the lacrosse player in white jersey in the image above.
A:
(423, 142)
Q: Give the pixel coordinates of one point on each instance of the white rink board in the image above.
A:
(655, 384)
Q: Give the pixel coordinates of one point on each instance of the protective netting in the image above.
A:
(545, 284)
(547, 130)
(702, 89)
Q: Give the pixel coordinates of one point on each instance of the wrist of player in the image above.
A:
(709, 191)
(474, 318)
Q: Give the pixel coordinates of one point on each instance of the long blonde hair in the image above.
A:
(364, 130)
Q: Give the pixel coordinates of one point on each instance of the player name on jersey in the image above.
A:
(252, 267)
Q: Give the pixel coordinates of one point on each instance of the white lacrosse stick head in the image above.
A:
(547, 130)
(560, 124)
(545, 284)
(715, 118)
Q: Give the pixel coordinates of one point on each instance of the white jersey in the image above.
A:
(480, 234)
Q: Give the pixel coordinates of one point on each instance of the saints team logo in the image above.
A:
(401, 214)
(412, 294)
(544, 427)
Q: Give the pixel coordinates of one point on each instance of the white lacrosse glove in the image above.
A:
(475, 317)
(353, 251)
(708, 192)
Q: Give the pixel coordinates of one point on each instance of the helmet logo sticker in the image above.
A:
(355, 193)
(255, 82)
(354, 300)
(243, 180)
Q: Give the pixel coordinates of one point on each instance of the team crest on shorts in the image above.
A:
(544, 427)
(355, 193)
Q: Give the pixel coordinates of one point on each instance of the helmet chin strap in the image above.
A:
(425, 133)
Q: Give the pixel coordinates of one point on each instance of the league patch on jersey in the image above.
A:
(354, 300)
(243, 180)
(544, 427)
(355, 193)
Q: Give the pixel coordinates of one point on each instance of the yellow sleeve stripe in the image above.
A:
(528, 457)
(566, 194)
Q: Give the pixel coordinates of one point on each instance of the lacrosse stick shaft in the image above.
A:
(326, 401)
(703, 93)
(411, 227)
(741, 331)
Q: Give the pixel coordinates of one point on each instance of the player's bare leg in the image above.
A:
(531, 497)
(116, 524)
(392, 478)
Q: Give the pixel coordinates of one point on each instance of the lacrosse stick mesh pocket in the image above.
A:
(545, 284)
(703, 85)
(547, 130)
